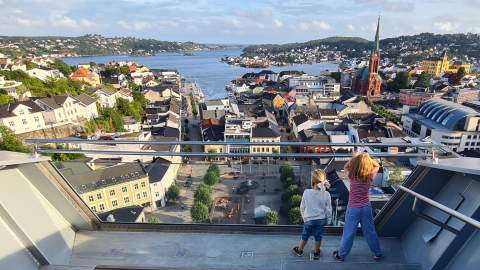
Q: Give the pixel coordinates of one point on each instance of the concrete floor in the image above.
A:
(228, 251)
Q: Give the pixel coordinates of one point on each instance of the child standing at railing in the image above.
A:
(316, 210)
(361, 172)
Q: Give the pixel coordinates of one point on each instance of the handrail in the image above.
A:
(442, 207)
(86, 141)
(203, 154)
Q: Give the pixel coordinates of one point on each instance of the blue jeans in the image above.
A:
(314, 227)
(363, 216)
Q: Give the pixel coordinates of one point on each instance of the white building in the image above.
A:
(316, 87)
(218, 104)
(446, 122)
(162, 175)
(106, 98)
(22, 116)
(60, 109)
(88, 106)
(237, 130)
(45, 73)
(131, 124)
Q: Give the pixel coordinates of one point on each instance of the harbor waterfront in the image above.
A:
(203, 67)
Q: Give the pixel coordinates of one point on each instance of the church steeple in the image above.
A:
(377, 38)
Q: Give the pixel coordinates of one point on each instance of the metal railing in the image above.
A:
(333, 153)
(443, 208)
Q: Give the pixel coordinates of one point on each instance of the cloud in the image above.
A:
(67, 22)
(389, 5)
(350, 27)
(315, 26)
(447, 26)
(277, 23)
(134, 25)
(29, 22)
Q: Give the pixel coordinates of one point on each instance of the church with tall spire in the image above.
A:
(367, 82)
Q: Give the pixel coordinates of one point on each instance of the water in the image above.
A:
(203, 67)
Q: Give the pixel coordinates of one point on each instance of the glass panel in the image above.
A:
(218, 190)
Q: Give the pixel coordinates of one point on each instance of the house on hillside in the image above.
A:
(45, 73)
(88, 106)
(22, 116)
(60, 109)
(85, 75)
(106, 98)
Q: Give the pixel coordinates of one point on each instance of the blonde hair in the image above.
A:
(319, 180)
(361, 167)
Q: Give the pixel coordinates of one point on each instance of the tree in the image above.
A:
(153, 220)
(203, 195)
(457, 77)
(9, 142)
(65, 69)
(66, 156)
(194, 105)
(5, 99)
(396, 177)
(213, 168)
(271, 218)
(401, 81)
(288, 182)
(199, 212)
(289, 192)
(210, 178)
(295, 216)
(295, 201)
(173, 193)
(187, 148)
(286, 171)
(423, 80)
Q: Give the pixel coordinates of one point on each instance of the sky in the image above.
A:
(237, 21)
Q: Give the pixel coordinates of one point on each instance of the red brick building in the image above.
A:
(367, 82)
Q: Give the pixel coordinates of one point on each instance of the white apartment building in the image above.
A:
(60, 109)
(106, 98)
(45, 73)
(446, 122)
(237, 130)
(88, 106)
(217, 104)
(22, 116)
(317, 87)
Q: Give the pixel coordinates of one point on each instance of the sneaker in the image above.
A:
(377, 257)
(337, 257)
(316, 256)
(297, 251)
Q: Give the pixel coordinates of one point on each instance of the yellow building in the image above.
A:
(459, 64)
(439, 65)
(85, 75)
(111, 187)
(264, 134)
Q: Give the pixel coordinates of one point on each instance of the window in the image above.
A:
(11, 123)
(90, 198)
(144, 194)
(24, 121)
(124, 189)
(22, 112)
(135, 186)
(126, 199)
(114, 203)
(112, 192)
(99, 196)
(101, 206)
(143, 184)
(36, 119)
(138, 196)
(94, 209)
(157, 194)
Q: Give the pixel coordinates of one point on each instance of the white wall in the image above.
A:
(37, 218)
